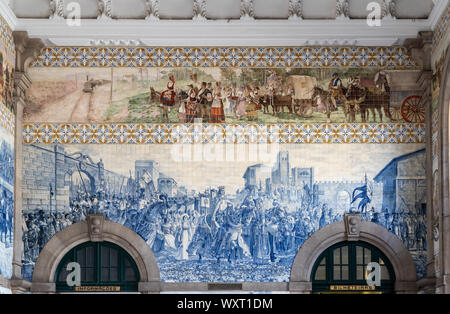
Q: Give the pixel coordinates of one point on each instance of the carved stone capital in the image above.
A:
(391, 11)
(247, 12)
(295, 9)
(152, 10)
(342, 10)
(352, 226)
(56, 9)
(104, 10)
(199, 10)
(95, 227)
(420, 49)
(27, 49)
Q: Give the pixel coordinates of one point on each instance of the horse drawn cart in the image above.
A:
(297, 96)
(407, 106)
(403, 105)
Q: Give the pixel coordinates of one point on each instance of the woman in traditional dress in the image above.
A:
(217, 114)
(184, 237)
(191, 107)
(241, 105)
(251, 113)
(182, 112)
(168, 99)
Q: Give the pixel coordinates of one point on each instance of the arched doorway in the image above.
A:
(342, 268)
(95, 230)
(355, 230)
(104, 266)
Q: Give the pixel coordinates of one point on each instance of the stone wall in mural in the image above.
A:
(223, 95)
(6, 201)
(224, 219)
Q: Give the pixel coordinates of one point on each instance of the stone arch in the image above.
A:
(353, 228)
(92, 182)
(95, 229)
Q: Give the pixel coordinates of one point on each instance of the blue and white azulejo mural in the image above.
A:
(6, 201)
(224, 215)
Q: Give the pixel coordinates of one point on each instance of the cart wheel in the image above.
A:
(396, 114)
(413, 110)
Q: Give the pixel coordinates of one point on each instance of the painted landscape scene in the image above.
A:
(223, 95)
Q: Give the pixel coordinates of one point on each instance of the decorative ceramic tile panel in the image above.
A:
(378, 133)
(390, 57)
(7, 119)
(7, 41)
(441, 27)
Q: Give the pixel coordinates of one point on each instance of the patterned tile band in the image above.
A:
(7, 119)
(7, 42)
(390, 57)
(441, 27)
(379, 133)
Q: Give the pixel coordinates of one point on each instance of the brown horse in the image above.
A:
(278, 102)
(325, 98)
(369, 101)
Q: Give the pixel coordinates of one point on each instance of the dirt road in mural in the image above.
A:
(223, 95)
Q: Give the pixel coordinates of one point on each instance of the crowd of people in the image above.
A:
(6, 163)
(6, 194)
(6, 84)
(211, 103)
(254, 225)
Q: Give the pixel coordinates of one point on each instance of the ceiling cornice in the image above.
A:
(439, 8)
(56, 32)
(8, 14)
(224, 33)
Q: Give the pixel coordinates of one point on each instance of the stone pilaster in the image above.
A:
(26, 50)
(420, 49)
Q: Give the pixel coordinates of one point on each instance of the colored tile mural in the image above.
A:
(224, 213)
(333, 133)
(238, 147)
(230, 95)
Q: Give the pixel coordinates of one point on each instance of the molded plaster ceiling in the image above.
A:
(221, 22)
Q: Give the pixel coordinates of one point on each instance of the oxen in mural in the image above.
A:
(6, 202)
(240, 220)
(222, 95)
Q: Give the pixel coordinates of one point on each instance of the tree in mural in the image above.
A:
(364, 193)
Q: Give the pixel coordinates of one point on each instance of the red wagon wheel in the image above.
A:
(412, 110)
(396, 114)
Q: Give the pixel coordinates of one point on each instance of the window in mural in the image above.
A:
(222, 95)
(342, 268)
(226, 218)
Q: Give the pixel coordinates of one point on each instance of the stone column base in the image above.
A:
(19, 286)
(300, 287)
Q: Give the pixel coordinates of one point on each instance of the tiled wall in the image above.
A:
(232, 200)
(7, 123)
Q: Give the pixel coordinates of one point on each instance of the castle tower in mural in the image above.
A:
(280, 173)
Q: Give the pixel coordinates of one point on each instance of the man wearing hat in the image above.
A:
(336, 89)
(168, 99)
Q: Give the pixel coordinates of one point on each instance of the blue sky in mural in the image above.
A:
(222, 220)
(6, 202)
